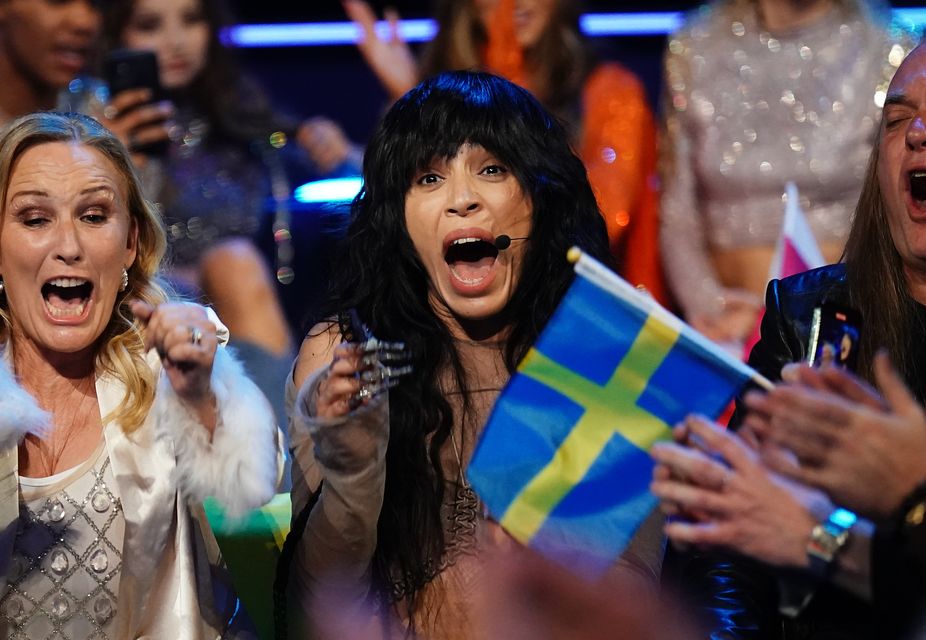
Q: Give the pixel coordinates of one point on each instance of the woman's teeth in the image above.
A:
(67, 282)
(66, 297)
(65, 312)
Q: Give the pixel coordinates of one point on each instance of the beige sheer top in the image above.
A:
(332, 564)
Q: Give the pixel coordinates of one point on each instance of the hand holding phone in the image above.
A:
(136, 112)
(835, 331)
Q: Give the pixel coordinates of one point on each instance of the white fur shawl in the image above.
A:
(240, 466)
(19, 412)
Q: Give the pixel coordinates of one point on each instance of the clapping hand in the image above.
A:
(727, 499)
(866, 452)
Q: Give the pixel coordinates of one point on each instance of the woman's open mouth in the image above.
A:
(471, 260)
(66, 297)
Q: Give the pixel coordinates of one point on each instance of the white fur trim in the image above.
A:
(239, 468)
(19, 412)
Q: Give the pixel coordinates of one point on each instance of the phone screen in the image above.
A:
(834, 337)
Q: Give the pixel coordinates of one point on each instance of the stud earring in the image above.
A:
(125, 280)
(1, 286)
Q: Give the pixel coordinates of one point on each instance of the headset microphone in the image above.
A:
(503, 241)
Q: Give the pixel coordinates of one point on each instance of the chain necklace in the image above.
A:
(52, 449)
(464, 509)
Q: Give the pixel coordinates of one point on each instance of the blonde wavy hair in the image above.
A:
(121, 345)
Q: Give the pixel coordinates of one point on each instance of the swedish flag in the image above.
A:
(563, 462)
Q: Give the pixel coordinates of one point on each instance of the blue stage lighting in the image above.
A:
(592, 24)
(333, 190)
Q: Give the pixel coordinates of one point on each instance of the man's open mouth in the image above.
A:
(66, 297)
(918, 185)
(471, 259)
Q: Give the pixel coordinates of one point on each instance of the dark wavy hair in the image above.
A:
(380, 275)
(236, 107)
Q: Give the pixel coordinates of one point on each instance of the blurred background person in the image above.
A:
(43, 47)
(228, 154)
(537, 44)
(758, 93)
(120, 415)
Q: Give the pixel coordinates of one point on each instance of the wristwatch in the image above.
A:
(827, 538)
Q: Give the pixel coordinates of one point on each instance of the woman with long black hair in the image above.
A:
(460, 160)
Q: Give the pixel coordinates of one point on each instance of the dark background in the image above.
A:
(334, 81)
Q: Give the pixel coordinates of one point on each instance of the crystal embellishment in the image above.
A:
(102, 609)
(60, 606)
(100, 502)
(55, 510)
(64, 569)
(99, 561)
(59, 562)
(15, 609)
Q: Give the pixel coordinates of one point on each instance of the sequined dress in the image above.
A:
(746, 111)
(67, 557)
(207, 191)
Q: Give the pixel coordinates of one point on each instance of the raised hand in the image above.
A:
(390, 59)
(358, 373)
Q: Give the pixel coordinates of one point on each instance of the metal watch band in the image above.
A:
(827, 539)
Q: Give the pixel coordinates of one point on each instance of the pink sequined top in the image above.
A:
(747, 111)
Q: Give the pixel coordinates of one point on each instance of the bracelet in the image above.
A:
(912, 511)
(827, 539)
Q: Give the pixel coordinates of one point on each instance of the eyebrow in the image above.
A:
(898, 99)
(44, 194)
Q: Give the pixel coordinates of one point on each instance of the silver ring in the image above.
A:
(364, 393)
(196, 336)
(110, 112)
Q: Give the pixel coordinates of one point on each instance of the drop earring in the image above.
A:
(125, 280)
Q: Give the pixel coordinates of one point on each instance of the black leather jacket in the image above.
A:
(739, 599)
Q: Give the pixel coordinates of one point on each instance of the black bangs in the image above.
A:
(442, 114)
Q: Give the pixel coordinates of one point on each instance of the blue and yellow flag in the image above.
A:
(563, 463)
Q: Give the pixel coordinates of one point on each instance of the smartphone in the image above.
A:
(134, 69)
(835, 331)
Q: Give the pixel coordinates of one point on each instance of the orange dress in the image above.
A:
(618, 147)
